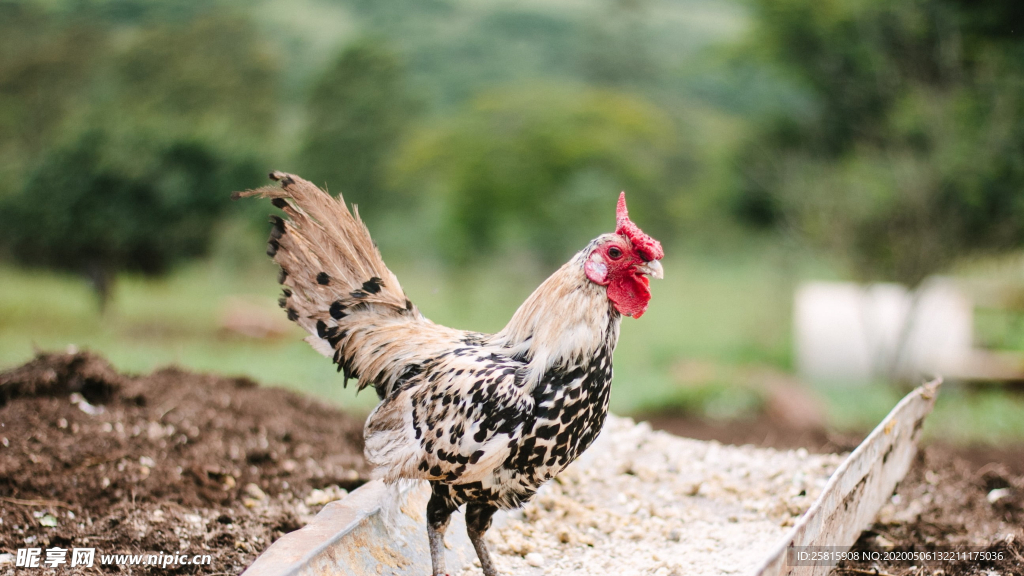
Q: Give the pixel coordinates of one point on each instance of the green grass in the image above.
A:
(961, 415)
(727, 309)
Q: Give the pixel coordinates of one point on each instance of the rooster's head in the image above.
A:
(622, 261)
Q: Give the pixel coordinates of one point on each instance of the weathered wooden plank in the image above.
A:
(859, 487)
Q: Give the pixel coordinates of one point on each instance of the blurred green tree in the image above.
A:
(358, 111)
(541, 167)
(913, 153)
(44, 70)
(103, 204)
(210, 77)
(126, 163)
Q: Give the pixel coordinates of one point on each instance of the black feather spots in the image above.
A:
(373, 285)
(423, 467)
(323, 279)
(282, 302)
(357, 294)
(287, 293)
(272, 247)
(281, 276)
(547, 432)
(476, 456)
(408, 304)
(337, 310)
(321, 329)
(435, 470)
(280, 203)
(287, 181)
(293, 315)
(278, 230)
(335, 338)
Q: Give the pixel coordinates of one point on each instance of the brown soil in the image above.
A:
(942, 502)
(762, 431)
(173, 462)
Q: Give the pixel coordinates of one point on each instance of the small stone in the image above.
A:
(48, 520)
(534, 559)
(997, 495)
(319, 497)
(255, 492)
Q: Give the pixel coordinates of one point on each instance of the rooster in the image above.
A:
(485, 418)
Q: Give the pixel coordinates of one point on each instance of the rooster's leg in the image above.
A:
(439, 514)
(478, 520)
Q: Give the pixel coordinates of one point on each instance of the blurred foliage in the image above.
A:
(713, 400)
(912, 153)
(102, 204)
(44, 69)
(353, 105)
(518, 161)
(211, 76)
(358, 111)
(889, 133)
(125, 144)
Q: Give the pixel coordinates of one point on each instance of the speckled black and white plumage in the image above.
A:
(470, 421)
(487, 419)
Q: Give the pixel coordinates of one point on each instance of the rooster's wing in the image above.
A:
(457, 419)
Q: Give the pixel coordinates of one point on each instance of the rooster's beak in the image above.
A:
(653, 269)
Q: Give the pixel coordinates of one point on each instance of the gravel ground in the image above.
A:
(647, 502)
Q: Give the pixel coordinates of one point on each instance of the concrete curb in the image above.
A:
(344, 539)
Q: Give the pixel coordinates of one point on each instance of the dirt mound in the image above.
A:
(945, 501)
(168, 462)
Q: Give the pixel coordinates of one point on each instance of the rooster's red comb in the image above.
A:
(648, 248)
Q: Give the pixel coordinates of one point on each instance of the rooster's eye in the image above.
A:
(614, 253)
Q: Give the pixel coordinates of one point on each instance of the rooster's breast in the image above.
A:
(570, 406)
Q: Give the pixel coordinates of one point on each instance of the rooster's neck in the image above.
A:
(564, 322)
